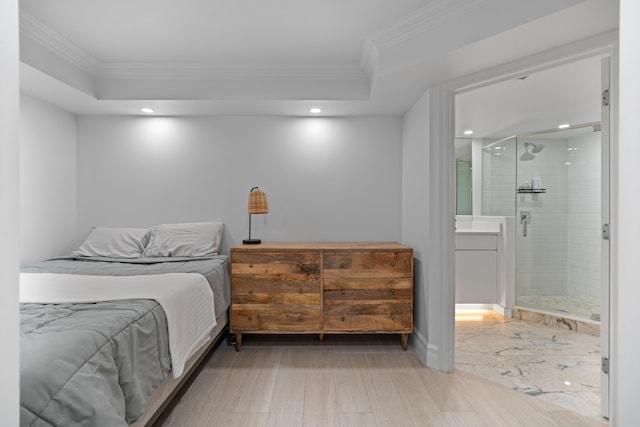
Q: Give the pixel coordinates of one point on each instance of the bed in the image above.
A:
(108, 340)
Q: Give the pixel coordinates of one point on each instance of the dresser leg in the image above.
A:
(238, 341)
(321, 336)
(403, 340)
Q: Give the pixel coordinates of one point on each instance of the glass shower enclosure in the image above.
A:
(550, 182)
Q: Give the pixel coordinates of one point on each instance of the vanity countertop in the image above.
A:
(475, 231)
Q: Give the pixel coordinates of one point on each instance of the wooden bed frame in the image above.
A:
(163, 395)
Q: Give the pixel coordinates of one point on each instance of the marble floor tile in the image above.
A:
(551, 364)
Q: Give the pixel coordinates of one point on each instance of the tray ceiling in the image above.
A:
(275, 57)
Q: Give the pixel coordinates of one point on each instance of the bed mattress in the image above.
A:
(215, 269)
(98, 363)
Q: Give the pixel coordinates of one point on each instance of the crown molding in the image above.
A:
(370, 60)
(420, 21)
(172, 70)
(37, 31)
(55, 43)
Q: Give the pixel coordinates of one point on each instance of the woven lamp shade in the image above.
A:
(258, 203)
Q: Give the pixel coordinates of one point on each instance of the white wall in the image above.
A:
(327, 179)
(47, 180)
(9, 213)
(428, 216)
(415, 209)
(626, 292)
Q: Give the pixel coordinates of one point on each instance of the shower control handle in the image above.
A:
(525, 218)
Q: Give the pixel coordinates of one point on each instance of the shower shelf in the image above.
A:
(531, 190)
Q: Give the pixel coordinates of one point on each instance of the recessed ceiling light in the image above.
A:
(468, 132)
(147, 110)
(564, 126)
(315, 110)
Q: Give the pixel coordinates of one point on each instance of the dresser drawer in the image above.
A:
(367, 296)
(396, 322)
(369, 309)
(259, 290)
(275, 318)
(389, 284)
(367, 264)
(281, 265)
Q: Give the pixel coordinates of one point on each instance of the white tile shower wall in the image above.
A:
(541, 256)
(584, 217)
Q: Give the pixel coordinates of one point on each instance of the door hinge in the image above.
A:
(605, 98)
(605, 231)
(605, 365)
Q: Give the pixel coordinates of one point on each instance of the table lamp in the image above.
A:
(257, 205)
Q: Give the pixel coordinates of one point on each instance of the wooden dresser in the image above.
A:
(318, 288)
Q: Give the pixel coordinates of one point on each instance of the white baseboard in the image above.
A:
(495, 307)
(506, 312)
(421, 346)
(428, 354)
(433, 357)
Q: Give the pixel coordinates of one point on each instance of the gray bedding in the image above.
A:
(97, 364)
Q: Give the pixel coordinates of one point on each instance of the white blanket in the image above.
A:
(186, 298)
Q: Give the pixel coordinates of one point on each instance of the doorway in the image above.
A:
(559, 260)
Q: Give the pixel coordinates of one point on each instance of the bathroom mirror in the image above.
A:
(464, 189)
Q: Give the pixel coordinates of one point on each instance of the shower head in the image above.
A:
(535, 148)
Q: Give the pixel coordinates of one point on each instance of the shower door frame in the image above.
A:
(605, 248)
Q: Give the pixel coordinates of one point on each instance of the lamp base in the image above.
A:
(251, 241)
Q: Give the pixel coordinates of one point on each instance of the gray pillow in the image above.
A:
(195, 239)
(113, 242)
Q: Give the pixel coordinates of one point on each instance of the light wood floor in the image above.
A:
(347, 381)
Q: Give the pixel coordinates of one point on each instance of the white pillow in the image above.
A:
(114, 242)
(196, 239)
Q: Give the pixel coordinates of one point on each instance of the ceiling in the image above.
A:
(356, 57)
(566, 94)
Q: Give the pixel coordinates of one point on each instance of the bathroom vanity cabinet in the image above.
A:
(476, 268)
